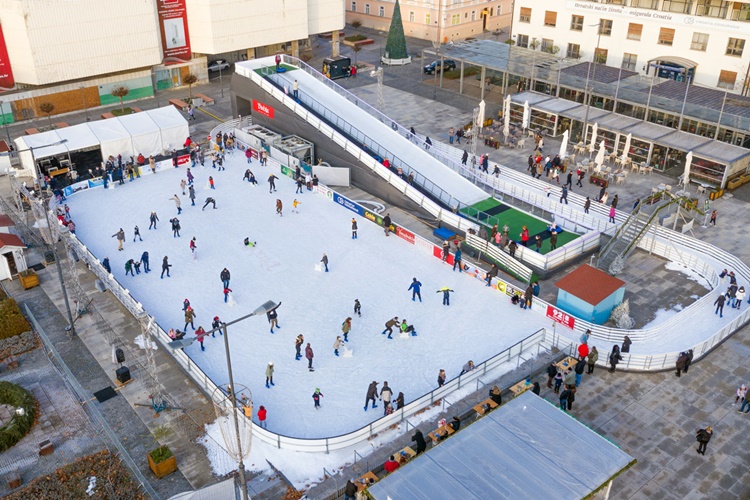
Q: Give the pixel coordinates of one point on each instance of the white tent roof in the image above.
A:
(174, 126)
(145, 133)
(78, 137)
(113, 137)
(527, 448)
(40, 144)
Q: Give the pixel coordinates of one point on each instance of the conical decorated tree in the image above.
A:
(395, 47)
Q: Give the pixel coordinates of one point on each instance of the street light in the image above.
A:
(182, 343)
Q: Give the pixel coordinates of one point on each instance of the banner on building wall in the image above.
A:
(175, 39)
(6, 74)
(263, 109)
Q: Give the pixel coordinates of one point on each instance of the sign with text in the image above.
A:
(6, 74)
(346, 203)
(263, 109)
(175, 40)
(405, 234)
(561, 316)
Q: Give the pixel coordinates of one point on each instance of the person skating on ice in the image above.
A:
(279, 207)
(189, 317)
(354, 228)
(271, 183)
(316, 397)
(183, 184)
(389, 326)
(298, 346)
(165, 265)
(137, 266)
(225, 275)
(129, 267)
(415, 288)
(120, 235)
(175, 227)
(372, 394)
(309, 355)
(136, 234)
(193, 245)
(324, 261)
(446, 295)
(191, 195)
(211, 182)
(211, 201)
(154, 219)
(295, 204)
(177, 203)
(200, 333)
(337, 344)
(269, 374)
(273, 317)
(227, 291)
(215, 324)
(346, 327)
(357, 308)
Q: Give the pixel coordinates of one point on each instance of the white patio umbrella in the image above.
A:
(506, 118)
(564, 145)
(599, 160)
(526, 115)
(686, 174)
(480, 115)
(594, 131)
(626, 149)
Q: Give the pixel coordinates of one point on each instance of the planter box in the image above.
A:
(28, 278)
(162, 469)
(598, 181)
(366, 41)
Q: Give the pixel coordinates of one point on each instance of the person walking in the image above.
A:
(626, 342)
(714, 214)
(592, 359)
(262, 413)
(579, 369)
(418, 437)
(703, 436)
(614, 358)
(612, 213)
(415, 287)
(387, 223)
(269, 374)
(680, 363)
(309, 355)
(551, 372)
(587, 205)
(295, 90)
(564, 195)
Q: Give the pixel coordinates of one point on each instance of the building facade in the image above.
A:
(435, 20)
(72, 54)
(700, 41)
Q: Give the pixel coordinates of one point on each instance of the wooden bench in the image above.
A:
(206, 100)
(107, 115)
(179, 104)
(61, 125)
(366, 481)
(520, 388)
(481, 408)
(403, 456)
(31, 131)
(136, 110)
(440, 430)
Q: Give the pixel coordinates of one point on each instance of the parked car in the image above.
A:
(218, 65)
(448, 64)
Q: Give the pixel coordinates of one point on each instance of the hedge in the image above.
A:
(12, 322)
(17, 397)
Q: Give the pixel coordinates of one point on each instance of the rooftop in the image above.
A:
(590, 284)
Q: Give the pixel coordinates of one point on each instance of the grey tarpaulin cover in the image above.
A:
(527, 448)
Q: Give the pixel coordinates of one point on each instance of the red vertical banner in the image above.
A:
(175, 39)
(6, 74)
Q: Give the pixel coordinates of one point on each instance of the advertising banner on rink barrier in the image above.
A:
(561, 316)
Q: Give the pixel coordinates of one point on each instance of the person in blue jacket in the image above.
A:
(458, 261)
(415, 288)
(144, 260)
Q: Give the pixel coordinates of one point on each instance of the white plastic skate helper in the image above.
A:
(346, 352)
(230, 300)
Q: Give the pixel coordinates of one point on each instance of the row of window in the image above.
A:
(735, 46)
(705, 8)
(455, 18)
(727, 79)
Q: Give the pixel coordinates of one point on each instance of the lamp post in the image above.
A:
(182, 343)
(71, 325)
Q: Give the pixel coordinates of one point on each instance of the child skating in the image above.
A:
(279, 208)
(316, 397)
(357, 308)
(337, 345)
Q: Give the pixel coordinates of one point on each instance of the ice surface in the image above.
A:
(377, 270)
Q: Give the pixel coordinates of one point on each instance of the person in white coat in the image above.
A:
(740, 296)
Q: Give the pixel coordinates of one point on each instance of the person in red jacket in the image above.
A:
(262, 416)
(525, 237)
(391, 465)
(201, 334)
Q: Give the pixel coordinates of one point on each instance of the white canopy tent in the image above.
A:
(149, 132)
(173, 126)
(519, 450)
(144, 132)
(113, 137)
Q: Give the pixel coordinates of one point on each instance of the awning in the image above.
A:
(113, 137)
(40, 144)
(174, 127)
(680, 62)
(78, 137)
(143, 132)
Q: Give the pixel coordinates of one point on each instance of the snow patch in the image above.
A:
(690, 273)
(140, 341)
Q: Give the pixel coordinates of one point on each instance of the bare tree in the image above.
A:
(189, 80)
(47, 108)
(120, 93)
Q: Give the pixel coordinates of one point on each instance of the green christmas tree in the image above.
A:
(395, 47)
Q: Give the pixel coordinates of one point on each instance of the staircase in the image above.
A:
(625, 239)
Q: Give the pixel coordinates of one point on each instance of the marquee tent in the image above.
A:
(144, 132)
(174, 128)
(113, 137)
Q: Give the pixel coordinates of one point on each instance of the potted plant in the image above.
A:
(598, 180)
(162, 461)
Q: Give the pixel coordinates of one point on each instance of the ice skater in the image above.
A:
(216, 326)
(271, 183)
(273, 317)
(137, 266)
(354, 228)
(211, 182)
(227, 291)
(389, 326)
(298, 346)
(175, 227)
(324, 261)
(177, 203)
(249, 243)
(193, 246)
(372, 394)
(129, 267)
(154, 219)
(106, 266)
(211, 201)
(165, 265)
(269, 374)
(316, 396)
(407, 328)
(337, 345)
(191, 193)
(200, 333)
(446, 295)
(357, 308)
(295, 204)
(136, 234)
(309, 355)
(189, 317)
(346, 327)
(120, 235)
(183, 184)
(279, 208)
(416, 289)
(719, 303)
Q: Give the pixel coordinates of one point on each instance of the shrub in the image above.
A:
(160, 454)
(19, 425)
(12, 322)
(355, 38)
